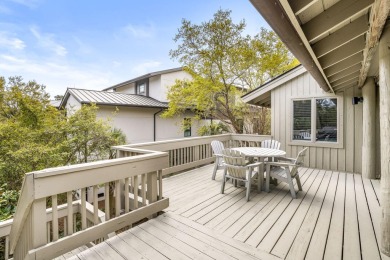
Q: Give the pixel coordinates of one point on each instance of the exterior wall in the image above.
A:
(155, 89)
(171, 128)
(72, 105)
(137, 124)
(127, 89)
(167, 80)
(348, 156)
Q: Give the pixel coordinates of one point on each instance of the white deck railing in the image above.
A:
(187, 153)
(136, 196)
(135, 179)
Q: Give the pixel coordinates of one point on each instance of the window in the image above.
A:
(141, 89)
(315, 120)
(187, 127)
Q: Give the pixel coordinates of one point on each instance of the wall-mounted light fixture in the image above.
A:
(356, 100)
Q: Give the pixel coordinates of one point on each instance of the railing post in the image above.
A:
(38, 217)
(152, 189)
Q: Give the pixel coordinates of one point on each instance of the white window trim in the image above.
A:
(313, 142)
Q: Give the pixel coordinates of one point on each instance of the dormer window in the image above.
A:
(141, 88)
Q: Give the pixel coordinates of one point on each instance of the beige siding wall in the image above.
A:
(137, 124)
(171, 128)
(155, 89)
(168, 80)
(127, 89)
(349, 156)
(72, 105)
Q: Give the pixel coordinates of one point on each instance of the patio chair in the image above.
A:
(217, 147)
(273, 144)
(285, 171)
(238, 169)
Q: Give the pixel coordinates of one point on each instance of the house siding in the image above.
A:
(138, 123)
(349, 157)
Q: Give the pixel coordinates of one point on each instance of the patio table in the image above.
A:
(260, 154)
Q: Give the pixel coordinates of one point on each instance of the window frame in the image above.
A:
(313, 142)
(144, 83)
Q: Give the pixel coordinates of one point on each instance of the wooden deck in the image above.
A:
(336, 216)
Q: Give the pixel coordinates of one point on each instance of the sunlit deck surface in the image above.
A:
(336, 216)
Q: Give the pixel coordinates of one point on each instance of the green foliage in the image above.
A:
(35, 135)
(212, 129)
(8, 201)
(224, 63)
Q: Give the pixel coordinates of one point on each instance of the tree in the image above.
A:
(223, 64)
(35, 136)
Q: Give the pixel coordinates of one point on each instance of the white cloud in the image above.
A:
(47, 41)
(11, 42)
(145, 67)
(139, 31)
(57, 77)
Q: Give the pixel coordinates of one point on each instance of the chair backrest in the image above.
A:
(305, 135)
(270, 144)
(299, 161)
(217, 147)
(235, 163)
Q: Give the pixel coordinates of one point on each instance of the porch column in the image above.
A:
(368, 152)
(384, 90)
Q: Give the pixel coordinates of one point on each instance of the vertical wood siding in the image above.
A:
(349, 157)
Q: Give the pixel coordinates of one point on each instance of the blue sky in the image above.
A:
(95, 44)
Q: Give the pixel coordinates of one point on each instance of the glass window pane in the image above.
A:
(326, 119)
(302, 120)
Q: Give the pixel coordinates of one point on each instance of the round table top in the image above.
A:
(260, 152)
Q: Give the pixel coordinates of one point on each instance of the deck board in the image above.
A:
(318, 241)
(336, 216)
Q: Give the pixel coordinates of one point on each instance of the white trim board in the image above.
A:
(277, 82)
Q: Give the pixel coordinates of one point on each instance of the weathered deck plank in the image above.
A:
(351, 245)
(320, 233)
(336, 216)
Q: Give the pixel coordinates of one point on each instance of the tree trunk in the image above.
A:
(368, 153)
(384, 88)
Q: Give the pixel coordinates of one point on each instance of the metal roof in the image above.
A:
(85, 96)
(149, 75)
(335, 40)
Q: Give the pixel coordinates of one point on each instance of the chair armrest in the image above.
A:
(253, 164)
(280, 164)
(285, 159)
(218, 155)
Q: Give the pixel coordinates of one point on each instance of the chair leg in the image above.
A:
(223, 182)
(298, 182)
(268, 178)
(215, 168)
(248, 189)
(292, 190)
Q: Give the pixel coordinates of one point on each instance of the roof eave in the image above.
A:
(276, 16)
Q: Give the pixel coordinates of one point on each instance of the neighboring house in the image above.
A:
(135, 107)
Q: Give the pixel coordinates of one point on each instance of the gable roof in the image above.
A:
(85, 96)
(262, 94)
(148, 75)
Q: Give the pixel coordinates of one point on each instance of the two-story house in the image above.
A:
(135, 106)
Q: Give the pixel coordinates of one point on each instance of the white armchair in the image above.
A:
(286, 169)
(217, 147)
(238, 169)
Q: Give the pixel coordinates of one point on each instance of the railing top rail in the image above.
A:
(96, 165)
(173, 141)
(5, 227)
